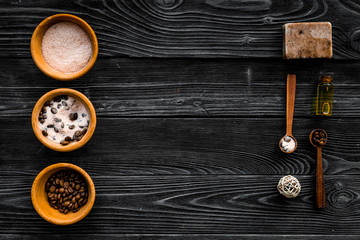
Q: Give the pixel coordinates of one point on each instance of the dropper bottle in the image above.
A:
(325, 92)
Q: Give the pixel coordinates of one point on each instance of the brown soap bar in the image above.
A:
(307, 40)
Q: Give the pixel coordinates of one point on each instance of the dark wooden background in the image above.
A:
(190, 98)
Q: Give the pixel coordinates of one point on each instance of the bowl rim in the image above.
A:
(89, 204)
(50, 21)
(50, 95)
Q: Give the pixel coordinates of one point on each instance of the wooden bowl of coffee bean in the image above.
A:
(63, 194)
(63, 119)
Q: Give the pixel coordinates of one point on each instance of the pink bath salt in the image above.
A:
(66, 47)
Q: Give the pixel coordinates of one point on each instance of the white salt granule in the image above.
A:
(66, 47)
(288, 144)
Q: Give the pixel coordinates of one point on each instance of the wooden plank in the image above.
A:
(190, 146)
(177, 28)
(186, 87)
(217, 204)
(179, 236)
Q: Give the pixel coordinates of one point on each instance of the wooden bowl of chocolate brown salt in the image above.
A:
(64, 47)
(63, 194)
(63, 119)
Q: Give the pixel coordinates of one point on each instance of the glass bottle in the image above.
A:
(324, 100)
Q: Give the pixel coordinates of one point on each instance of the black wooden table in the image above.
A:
(190, 98)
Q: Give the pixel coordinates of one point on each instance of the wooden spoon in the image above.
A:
(290, 101)
(320, 190)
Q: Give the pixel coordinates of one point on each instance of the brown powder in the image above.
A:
(66, 47)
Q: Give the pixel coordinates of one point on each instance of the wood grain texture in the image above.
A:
(186, 87)
(179, 28)
(54, 236)
(193, 205)
(190, 146)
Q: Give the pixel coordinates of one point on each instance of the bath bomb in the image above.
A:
(307, 40)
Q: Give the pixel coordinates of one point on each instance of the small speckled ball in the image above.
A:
(289, 186)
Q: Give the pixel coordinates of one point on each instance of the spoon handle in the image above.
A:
(290, 101)
(320, 190)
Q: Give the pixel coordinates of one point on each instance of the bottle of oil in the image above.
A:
(324, 101)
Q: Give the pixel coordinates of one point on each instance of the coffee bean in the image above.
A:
(62, 193)
(77, 133)
(79, 137)
(64, 143)
(84, 131)
(53, 110)
(64, 97)
(45, 133)
(62, 125)
(50, 126)
(68, 139)
(71, 126)
(64, 103)
(73, 116)
(57, 119)
(82, 189)
(47, 103)
(56, 130)
(43, 109)
(42, 121)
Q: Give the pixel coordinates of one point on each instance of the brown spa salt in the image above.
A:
(66, 47)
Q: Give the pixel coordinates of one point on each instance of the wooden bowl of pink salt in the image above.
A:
(63, 119)
(64, 47)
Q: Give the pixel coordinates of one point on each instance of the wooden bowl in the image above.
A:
(36, 51)
(40, 202)
(49, 96)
